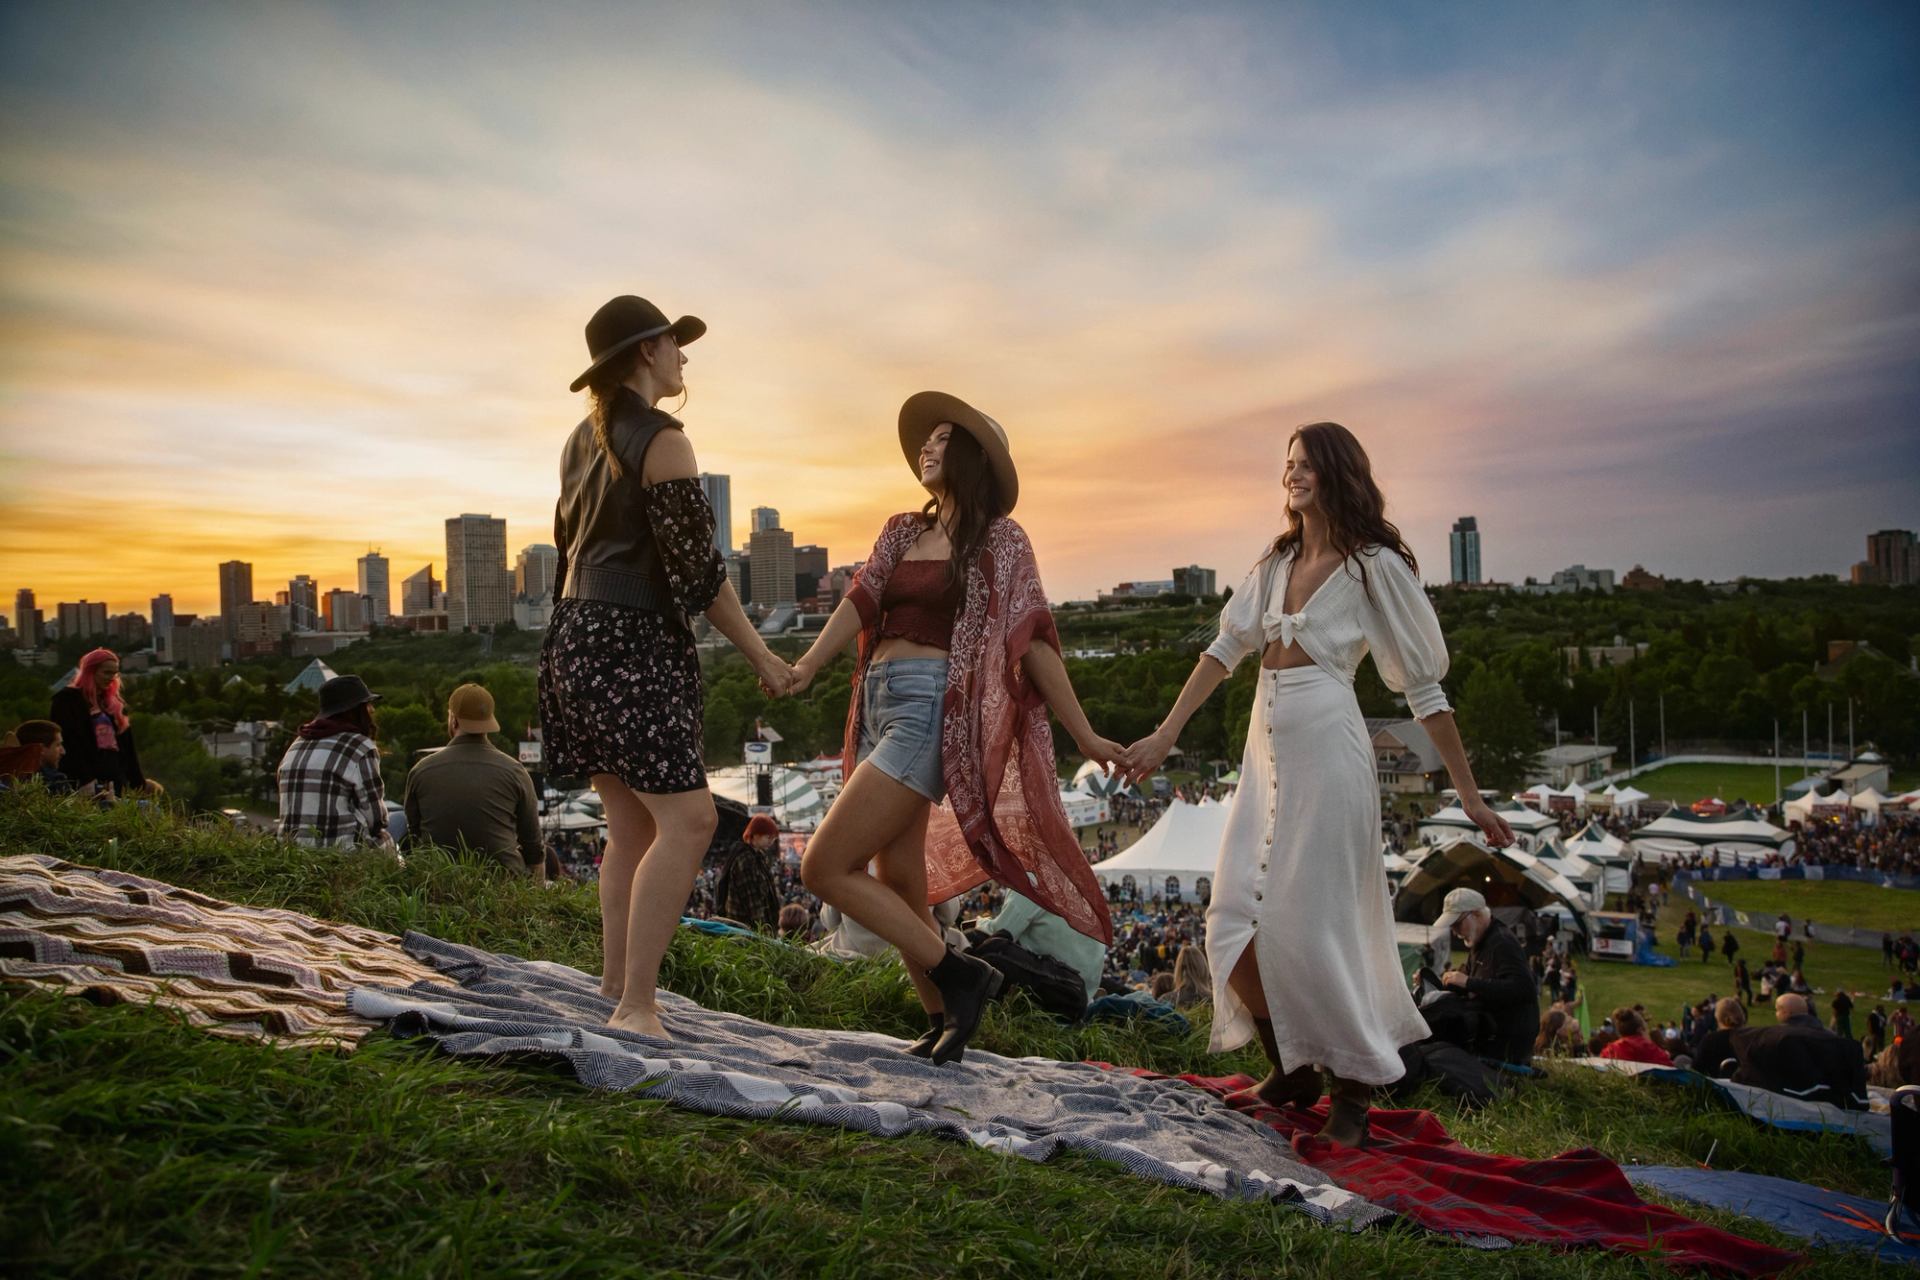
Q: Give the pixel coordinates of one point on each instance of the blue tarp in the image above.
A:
(1797, 1208)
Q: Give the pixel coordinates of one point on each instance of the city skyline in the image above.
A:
(1640, 281)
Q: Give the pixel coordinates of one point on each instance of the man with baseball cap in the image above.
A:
(1497, 980)
(472, 797)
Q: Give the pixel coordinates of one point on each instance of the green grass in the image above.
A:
(130, 1144)
(1686, 783)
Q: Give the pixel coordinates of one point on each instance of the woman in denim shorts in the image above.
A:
(920, 611)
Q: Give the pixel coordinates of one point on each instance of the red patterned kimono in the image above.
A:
(1002, 819)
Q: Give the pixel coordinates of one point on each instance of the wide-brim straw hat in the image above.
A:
(926, 410)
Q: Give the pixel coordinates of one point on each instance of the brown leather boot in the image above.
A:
(1347, 1112)
(1299, 1087)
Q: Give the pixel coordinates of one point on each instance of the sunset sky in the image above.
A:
(1630, 283)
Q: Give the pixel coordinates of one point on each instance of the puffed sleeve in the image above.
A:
(1404, 635)
(1240, 632)
(682, 521)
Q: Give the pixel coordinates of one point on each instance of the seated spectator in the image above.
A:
(1161, 988)
(1192, 977)
(331, 793)
(1037, 930)
(1797, 984)
(1713, 1052)
(795, 922)
(1559, 1036)
(1497, 981)
(744, 891)
(95, 730)
(471, 796)
(1801, 1058)
(1633, 1044)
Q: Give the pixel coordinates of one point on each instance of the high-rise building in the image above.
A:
(1893, 560)
(809, 566)
(479, 588)
(127, 629)
(82, 618)
(771, 554)
(236, 589)
(27, 619)
(419, 593)
(160, 619)
(1465, 544)
(719, 491)
(740, 574)
(765, 518)
(259, 628)
(303, 599)
(375, 586)
(1194, 581)
(533, 571)
(344, 610)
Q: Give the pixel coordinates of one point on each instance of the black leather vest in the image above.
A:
(600, 525)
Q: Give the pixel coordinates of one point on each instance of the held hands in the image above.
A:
(1491, 824)
(1140, 760)
(776, 677)
(1109, 755)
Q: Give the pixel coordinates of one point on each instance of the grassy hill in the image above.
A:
(131, 1145)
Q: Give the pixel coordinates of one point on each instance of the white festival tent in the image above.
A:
(1184, 844)
(1538, 795)
(1680, 834)
(1465, 860)
(1800, 808)
(1869, 802)
(1530, 827)
(1095, 781)
(1594, 846)
(797, 806)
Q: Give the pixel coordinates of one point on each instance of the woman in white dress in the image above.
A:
(1299, 931)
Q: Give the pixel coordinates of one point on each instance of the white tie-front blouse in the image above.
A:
(1339, 625)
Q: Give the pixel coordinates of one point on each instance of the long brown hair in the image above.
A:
(603, 393)
(973, 493)
(1352, 503)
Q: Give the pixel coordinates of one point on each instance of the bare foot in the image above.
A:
(644, 1021)
(1297, 1088)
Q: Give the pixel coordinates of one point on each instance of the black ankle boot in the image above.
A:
(965, 984)
(1347, 1112)
(936, 1023)
(1299, 1087)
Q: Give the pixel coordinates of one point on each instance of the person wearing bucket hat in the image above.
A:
(619, 684)
(331, 791)
(958, 661)
(1299, 934)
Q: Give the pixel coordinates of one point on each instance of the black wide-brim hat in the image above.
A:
(625, 321)
(344, 693)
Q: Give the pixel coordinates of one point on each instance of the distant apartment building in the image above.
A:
(1569, 580)
(771, 552)
(740, 574)
(1638, 579)
(1130, 592)
(128, 630)
(196, 642)
(809, 567)
(28, 621)
(344, 610)
(160, 625)
(1194, 581)
(1464, 543)
(83, 618)
(259, 628)
(236, 589)
(303, 598)
(533, 571)
(719, 491)
(376, 585)
(1893, 560)
(479, 592)
(1597, 657)
(419, 593)
(765, 518)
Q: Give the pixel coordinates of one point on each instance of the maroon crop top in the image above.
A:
(918, 604)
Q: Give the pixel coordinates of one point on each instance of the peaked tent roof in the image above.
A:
(1185, 843)
(311, 677)
(1594, 843)
(1447, 865)
(1518, 817)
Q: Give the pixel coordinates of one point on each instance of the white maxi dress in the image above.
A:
(1299, 875)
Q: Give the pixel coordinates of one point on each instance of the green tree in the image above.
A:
(1498, 729)
(171, 754)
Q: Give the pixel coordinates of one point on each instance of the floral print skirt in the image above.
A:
(620, 693)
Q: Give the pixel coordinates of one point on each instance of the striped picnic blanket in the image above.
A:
(247, 972)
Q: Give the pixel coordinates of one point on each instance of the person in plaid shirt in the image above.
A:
(331, 795)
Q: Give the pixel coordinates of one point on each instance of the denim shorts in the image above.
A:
(900, 713)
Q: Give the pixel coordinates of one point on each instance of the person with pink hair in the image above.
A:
(93, 721)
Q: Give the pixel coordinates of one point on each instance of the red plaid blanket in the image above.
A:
(1577, 1199)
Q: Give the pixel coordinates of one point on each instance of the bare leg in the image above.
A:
(902, 868)
(871, 813)
(1245, 982)
(1298, 1086)
(683, 824)
(629, 833)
